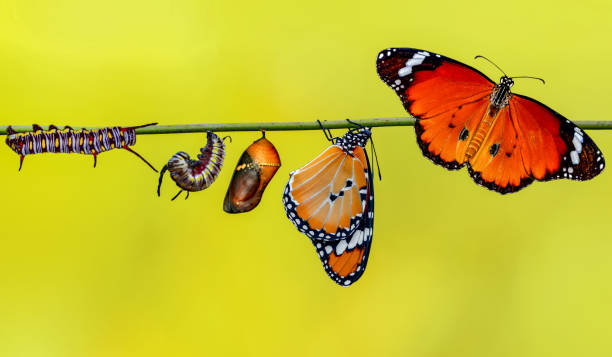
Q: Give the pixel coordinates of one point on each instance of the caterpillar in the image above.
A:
(196, 175)
(254, 170)
(84, 141)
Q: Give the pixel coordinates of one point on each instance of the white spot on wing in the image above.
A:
(341, 247)
(575, 158)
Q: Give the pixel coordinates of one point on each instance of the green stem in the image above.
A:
(283, 126)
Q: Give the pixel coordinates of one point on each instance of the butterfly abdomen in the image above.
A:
(482, 132)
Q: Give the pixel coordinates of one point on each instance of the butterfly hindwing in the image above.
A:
(498, 164)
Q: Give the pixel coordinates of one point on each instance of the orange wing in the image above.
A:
(345, 260)
(327, 198)
(532, 142)
(498, 163)
(447, 98)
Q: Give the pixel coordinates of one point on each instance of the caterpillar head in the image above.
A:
(14, 140)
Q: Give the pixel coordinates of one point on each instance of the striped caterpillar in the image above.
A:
(196, 175)
(68, 140)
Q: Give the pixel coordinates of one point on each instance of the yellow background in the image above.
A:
(93, 263)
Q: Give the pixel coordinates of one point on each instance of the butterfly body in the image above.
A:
(331, 201)
(463, 118)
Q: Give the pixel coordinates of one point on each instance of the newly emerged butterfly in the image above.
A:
(331, 200)
(463, 118)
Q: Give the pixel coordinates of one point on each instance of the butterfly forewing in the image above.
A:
(561, 149)
(326, 198)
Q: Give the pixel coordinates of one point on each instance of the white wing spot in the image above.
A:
(575, 158)
(340, 247)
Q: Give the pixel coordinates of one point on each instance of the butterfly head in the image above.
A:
(506, 82)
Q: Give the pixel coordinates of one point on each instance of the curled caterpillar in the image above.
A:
(196, 175)
(68, 140)
(256, 167)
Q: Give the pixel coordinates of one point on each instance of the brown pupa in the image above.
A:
(256, 167)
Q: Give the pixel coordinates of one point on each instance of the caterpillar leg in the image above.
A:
(175, 196)
(95, 155)
(21, 157)
(187, 196)
(36, 127)
(161, 177)
(141, 158)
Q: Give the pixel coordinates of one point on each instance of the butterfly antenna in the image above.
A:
(375, 158)
(327, 132)
(538, 78)
(493, 63)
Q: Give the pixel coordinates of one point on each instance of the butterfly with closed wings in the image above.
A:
(331, 200)
(506, 140)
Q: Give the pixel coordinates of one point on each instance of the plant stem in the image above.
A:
(285, 126)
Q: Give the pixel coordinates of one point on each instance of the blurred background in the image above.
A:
(93, 263)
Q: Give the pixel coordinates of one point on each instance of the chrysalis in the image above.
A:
(256, 167)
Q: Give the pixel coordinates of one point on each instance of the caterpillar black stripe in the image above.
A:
(68, 140)
(196, 175)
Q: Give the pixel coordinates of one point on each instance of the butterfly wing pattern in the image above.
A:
(463, 118)
(331, 200)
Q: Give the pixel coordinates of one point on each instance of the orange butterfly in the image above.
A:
(462, 117)
(331, 200)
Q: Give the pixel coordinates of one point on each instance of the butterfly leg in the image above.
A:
(327, 132)
(359, 126)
